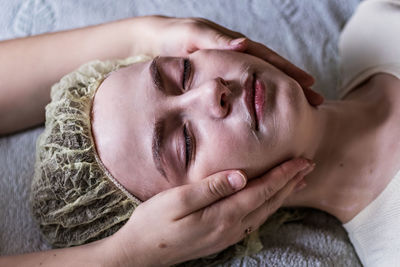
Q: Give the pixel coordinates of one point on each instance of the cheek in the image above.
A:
(233, 150)
(291, 112)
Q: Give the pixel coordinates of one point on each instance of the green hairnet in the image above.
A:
(74, 198)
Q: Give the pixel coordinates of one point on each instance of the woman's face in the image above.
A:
(173, 121)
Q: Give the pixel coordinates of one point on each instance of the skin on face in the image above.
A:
(206, 126)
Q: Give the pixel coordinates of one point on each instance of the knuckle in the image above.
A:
(223, 227)
(268, 192)
(282, 171)
(218, 188)
(220, 37)
(194, 22)
(226, 223)
(193, 27)
(181, 197)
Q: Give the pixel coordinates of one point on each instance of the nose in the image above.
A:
(215, 98)
(208, 99)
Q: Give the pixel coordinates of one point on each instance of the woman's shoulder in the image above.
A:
(369, 43)
(380, 86)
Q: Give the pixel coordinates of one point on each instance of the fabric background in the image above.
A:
(304, 31)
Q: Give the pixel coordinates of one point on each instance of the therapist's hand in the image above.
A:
(199, 219)
(182, 36)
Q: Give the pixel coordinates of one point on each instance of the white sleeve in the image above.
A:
(375, 231)
(370, 43)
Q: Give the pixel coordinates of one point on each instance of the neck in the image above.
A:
(336, 129)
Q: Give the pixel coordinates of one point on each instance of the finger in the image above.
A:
(208, 38)
(260, 190)
(314, 98)
(209, 35)
(219, 37)
(263, 52)
(257, 217)
(192, 197)
(221, 29)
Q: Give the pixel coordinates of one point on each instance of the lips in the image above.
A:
(259, 99)
(254, 99)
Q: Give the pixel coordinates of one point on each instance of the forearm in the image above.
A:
(98, 253)
(30, 66)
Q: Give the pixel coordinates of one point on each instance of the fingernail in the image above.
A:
(300, 186)
(236, 180)
(237, 41)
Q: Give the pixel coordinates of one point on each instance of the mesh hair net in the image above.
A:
(74, 198)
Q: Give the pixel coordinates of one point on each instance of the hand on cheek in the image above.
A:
(202, 218)
(261, 51)
(192, 34)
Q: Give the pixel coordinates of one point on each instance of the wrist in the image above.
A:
(131, 37)
(145, 35)
(117, 251)
(108, 253)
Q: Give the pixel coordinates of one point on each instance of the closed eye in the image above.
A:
(186, 73)
(188, 146)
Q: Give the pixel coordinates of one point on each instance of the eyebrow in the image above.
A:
(155, 75)
(157, 140)
(157, 145)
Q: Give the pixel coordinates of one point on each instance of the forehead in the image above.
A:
(122, 124)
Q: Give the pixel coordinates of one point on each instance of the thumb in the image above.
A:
(199, 195)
